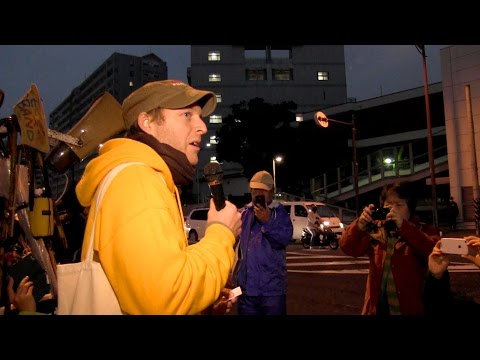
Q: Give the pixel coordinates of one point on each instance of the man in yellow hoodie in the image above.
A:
(139, 233)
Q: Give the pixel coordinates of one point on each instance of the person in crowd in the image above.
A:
(139, 235)
(438, 297)
(262, 269)
(73, 218)
(22, 299)
(313, 219)
(313, 223)
(452, 213)
(398, 246)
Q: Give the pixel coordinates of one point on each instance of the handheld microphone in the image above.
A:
(213, 173)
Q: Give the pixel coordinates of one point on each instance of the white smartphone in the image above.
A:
(454, 246)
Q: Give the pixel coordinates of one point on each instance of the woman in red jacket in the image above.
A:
(398, 246)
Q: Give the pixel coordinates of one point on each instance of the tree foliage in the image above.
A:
(255, 132)
(252, 134)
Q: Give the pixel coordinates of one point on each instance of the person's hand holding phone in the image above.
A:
(262, 212)
(438, 261)
(473, 243)
(29, 266)
(23, 298)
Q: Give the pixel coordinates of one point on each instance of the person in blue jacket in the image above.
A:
(262, 269)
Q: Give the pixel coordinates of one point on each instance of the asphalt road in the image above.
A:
(328, 282)
(324, 282)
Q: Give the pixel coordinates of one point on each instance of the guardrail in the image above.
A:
(338, 184)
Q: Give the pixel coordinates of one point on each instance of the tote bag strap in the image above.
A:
(100, 193)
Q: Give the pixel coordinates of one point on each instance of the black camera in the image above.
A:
(260, 200)
(380, 213)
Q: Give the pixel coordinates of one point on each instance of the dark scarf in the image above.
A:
(181, 169)
(388, 303)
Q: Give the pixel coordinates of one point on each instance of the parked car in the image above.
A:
(195, 224)
(298, 211)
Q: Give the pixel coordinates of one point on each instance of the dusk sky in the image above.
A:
(371, 70)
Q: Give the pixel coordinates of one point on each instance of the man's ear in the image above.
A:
(144, 122)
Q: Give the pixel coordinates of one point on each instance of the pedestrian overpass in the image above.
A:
(374, 172)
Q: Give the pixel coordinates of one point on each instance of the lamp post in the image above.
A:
(322, 120)
(275, 159)
(431, 161)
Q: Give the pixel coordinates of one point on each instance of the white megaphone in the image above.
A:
(102, 121)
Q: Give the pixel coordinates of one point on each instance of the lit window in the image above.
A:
(219, 98)
(256, 74)
(213, 158)
(215, 119)
(282, 74)
(214, 56)
(213, 139)
(214, 77)
(322, 75)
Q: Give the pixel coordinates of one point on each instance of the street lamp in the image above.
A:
(322, 120)
(275, 159)
(421, 49)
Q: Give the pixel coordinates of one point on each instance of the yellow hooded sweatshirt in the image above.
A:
(140, 238)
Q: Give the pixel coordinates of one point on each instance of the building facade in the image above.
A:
(119, 75)
(461, 96)
(311, 76)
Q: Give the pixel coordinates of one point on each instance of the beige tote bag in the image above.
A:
(83, 288)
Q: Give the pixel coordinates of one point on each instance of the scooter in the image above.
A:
(319, 236)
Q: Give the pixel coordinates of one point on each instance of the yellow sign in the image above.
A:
(32, 120)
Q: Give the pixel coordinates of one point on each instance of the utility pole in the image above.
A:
(473, 150)
(355, 166)
(431, 159)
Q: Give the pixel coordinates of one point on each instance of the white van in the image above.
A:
(195, 224)
(298, 211)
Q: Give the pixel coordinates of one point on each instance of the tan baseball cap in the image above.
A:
(262, 180)
(168, 94)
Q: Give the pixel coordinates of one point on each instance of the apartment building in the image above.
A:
(120, 74)
(312, 76)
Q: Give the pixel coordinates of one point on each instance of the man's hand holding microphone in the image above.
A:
(221, 210)
(224, 212)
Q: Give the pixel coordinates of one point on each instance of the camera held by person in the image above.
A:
(397, 245)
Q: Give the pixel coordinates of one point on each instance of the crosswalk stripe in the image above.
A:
(343, 260)
(343, 272)
(328, 263)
